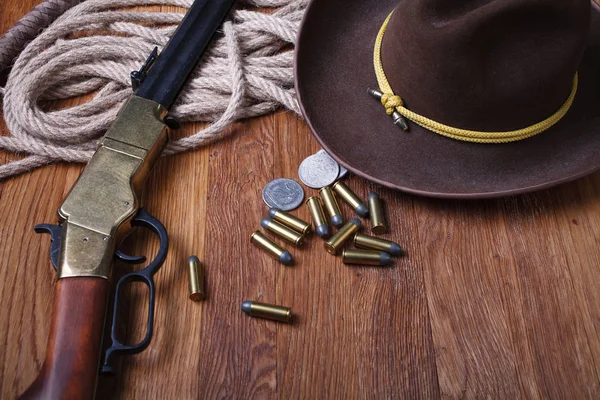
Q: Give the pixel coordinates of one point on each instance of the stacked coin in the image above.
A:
(320, 170)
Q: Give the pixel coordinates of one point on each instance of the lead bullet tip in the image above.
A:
(395, 250)
(246, 306)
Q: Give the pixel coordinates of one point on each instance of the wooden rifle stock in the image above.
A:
(70, 369)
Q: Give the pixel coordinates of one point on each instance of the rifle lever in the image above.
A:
(145, 220)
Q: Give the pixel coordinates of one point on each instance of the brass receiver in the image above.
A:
(106, 195)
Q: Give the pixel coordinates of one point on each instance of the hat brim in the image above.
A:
(333, 69)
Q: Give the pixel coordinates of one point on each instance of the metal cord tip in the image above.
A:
(399, 120)
(375, 93)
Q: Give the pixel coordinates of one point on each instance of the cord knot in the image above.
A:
(391, 101)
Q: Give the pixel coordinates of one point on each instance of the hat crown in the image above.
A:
(485, 64)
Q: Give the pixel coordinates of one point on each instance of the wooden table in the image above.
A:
(495, 299)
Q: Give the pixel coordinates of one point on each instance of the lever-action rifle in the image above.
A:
(101, 207)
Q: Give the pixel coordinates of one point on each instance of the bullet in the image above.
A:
(290, 221)
(373, 243)
(378, 226)
(318, 218)
(366, 257)
(271, 248)
(196, 279)
(332, 207)
(268, 311)
(352, 199)
(282, 231)
(334, 243)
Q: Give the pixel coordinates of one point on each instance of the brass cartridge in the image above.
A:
(268, 311)
(334, 243)
(351, 198)
(290, 221)
(332, 207)
(363, 241)
(366, 257)
(318, 218)
(271, 248)
(196, 279)
(378, 226)
(282, 231)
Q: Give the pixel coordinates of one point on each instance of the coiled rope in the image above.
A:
(92, 48)
(27, 28)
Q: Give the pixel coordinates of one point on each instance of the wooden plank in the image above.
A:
(362, 332)
(510, 286)
(496, 298)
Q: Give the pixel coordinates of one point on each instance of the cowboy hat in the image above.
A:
(484, 66)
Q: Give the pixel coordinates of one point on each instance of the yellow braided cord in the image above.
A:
(393, 102)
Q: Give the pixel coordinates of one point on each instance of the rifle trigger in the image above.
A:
(55, 232)
(129, 259)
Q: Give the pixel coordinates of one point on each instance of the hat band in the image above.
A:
(394, 104)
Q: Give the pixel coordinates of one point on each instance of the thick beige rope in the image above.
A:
(27, 28)
(94, 46)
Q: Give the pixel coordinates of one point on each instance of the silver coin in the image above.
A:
(343, 171)
(318, 170)
(283, 193)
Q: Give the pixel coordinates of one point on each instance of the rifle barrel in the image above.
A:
(174, 64)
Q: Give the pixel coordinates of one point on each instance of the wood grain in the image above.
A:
(496, 299)
(75, 341)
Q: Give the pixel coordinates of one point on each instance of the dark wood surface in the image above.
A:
(75, 341)
(495, 299)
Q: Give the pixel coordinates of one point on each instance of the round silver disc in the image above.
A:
(283, 193)
(318, 170)
(343, 171)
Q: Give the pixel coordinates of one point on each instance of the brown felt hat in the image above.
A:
(486, 65)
